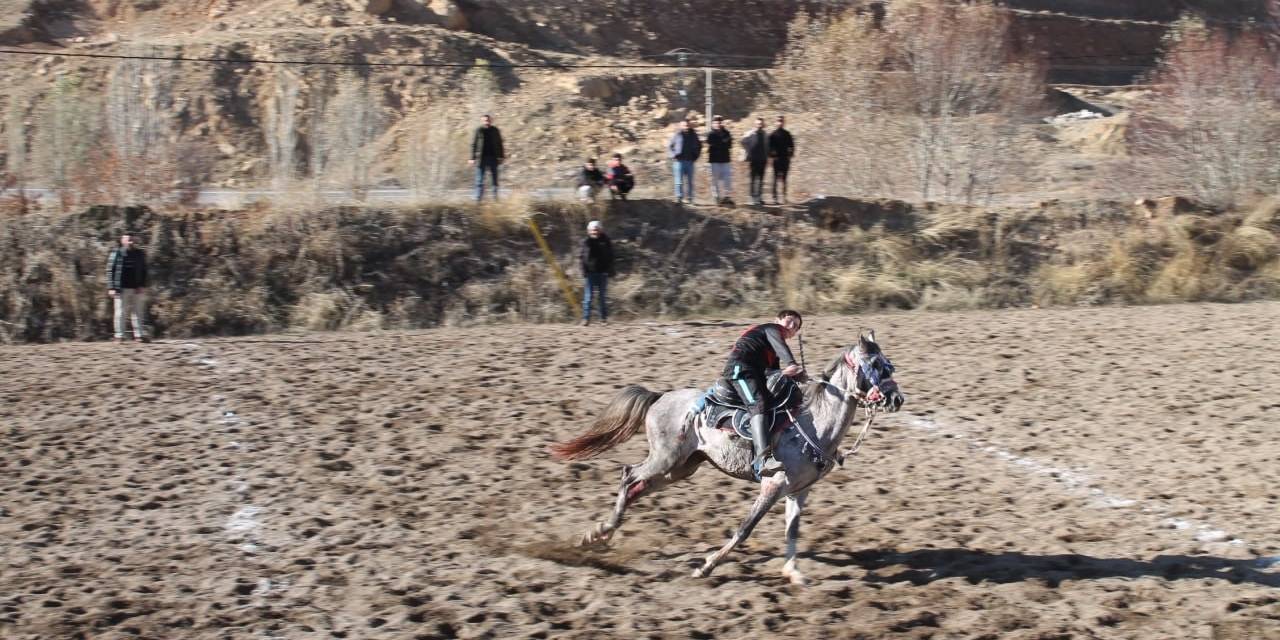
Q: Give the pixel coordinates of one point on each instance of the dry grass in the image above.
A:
(362, 269)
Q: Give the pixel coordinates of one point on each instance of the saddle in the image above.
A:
(722, 408)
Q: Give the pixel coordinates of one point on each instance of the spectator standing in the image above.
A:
(719, 152)
(619, 178)
(756, 145)
(596, 256)
(127, 286)
(684, 149)
(590, 180)
(486, 154)
(782, 147)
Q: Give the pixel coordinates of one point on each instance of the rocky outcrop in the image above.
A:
(450, 14)
(17, 22)
(372, 7)
(1152, 10)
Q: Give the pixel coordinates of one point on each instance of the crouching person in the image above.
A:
(619, 178)
(590, 180)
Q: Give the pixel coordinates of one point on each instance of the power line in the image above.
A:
(359, 63)
(514, 65)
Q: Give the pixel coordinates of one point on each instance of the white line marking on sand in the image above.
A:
(244, 520)
(1078, 482)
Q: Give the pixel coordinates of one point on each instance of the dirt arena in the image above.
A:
(1091, 473)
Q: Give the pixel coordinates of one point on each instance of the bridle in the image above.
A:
(869, 408)
(855, 395)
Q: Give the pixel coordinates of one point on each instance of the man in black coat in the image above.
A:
(596, 257)
(486, 154)
(782, 147)
(127, 286)
(756, 145)
(719, 152)
(684, 148)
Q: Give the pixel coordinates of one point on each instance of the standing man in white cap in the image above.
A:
(597, 266)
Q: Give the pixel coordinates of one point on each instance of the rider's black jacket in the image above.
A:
(758, 349)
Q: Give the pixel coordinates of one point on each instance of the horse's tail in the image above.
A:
(623, 418)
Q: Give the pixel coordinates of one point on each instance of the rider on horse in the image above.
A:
(760, 348)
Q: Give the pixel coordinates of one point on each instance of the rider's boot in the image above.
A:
(760, 444)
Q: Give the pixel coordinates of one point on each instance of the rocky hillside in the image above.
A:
(226, 119)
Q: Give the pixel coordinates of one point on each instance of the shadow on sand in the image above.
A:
(927, 565)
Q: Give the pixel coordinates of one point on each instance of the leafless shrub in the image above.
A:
(68, 136)
(924, 103)
(344, 129)
(17, 133)
(280, 128)
(436, 149)
(1213, 129)
(139, 128)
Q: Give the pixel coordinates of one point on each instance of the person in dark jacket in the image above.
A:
(782, 147)
(756, 145)
(590, 180)
(619, 178)
(759, 349)
(684, 148)
(486, 154)
(719, 154)
(127, 286)
(597, 266)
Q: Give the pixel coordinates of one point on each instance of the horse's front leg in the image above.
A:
(770, 490)
(795, 505)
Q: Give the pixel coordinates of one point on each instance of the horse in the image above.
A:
(859, 376)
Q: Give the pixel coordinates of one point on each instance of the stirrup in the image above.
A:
(765, 467)
(763, 457)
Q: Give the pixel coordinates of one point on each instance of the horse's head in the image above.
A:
(873, 373)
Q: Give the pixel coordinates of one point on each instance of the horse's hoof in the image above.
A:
(699, 573)
(589, 542)
(797, 579)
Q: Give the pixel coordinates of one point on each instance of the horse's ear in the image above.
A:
(867, 338)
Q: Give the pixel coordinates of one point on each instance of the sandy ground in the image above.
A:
(1094, 473)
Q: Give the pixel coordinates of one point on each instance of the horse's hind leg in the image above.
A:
(645, 478)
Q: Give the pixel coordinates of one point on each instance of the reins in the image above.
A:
(869, 410)
(862, 434)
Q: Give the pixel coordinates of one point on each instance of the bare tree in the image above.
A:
(17, 132)
(280, 128)
(139, 127)
(925, 97)
(68, 129)
(480, 86)
(349, 125)
(1213, 128)
(436, 148)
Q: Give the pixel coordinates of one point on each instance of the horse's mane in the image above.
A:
(812, 387)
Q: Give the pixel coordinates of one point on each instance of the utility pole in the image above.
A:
(682, 58)
(711, 98)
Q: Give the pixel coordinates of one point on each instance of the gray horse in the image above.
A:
(678, 443)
